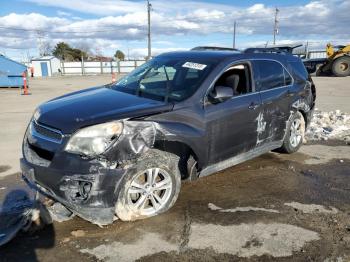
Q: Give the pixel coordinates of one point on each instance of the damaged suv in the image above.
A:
(121, 150)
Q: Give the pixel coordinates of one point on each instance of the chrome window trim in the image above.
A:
(253, 85)
(237, 62)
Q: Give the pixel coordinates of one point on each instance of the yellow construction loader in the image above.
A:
(337, 62)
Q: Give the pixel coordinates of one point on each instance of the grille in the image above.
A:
(45, 154)
(47, 133)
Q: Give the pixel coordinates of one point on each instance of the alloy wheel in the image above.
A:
(295, 133)
(149, 191)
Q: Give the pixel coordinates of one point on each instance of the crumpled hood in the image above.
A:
(93, 106)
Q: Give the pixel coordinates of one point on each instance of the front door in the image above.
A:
(232, 124)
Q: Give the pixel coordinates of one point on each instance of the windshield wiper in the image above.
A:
(168, 86)
(139, 81)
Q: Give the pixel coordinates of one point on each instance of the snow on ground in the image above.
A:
(213, 207)
(312, 208)
(329, 125)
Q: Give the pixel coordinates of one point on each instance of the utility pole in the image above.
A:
(275, 28)
(234, 34)
(149, 6)
(307, 49)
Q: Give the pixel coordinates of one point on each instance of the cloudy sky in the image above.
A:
(104, 26)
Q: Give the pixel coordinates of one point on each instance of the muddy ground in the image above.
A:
(272, 208)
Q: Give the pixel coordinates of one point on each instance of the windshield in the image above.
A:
(166, 79)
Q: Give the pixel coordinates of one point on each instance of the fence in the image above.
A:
(92, 68)
(312, 54)
(316, 54)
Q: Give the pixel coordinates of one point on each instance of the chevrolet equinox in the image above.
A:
(121, 150)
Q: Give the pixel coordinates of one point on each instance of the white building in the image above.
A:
(46, 66)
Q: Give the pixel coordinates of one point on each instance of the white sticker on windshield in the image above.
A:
(194, 65)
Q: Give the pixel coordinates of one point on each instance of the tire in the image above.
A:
(293, 141)
(138, 198)
(341, 66)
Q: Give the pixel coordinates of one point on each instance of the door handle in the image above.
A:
(253, 106)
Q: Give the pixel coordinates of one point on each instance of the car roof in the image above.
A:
(223, 55)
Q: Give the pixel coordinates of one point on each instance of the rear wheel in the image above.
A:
(295, 134)
(341, 66)
(151, 187)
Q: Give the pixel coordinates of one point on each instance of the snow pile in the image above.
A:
(329, 125)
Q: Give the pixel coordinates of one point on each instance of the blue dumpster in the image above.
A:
(11, 72)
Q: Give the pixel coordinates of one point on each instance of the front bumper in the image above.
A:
(89, 188)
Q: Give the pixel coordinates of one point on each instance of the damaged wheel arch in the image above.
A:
(150, 186)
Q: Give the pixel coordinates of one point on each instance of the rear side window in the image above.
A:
(300, 69)
(288, 80)
(271, 75)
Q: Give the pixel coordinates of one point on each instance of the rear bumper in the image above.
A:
(91, 196)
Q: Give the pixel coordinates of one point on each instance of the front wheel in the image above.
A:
(294, 134)
(150, 187)
(341, 66)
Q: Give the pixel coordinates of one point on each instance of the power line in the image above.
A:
(61, 32)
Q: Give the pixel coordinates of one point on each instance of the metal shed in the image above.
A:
(11, 72)
(46, 66)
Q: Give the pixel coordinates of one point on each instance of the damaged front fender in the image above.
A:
(140, 136)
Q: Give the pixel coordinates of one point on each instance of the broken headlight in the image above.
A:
(94, 140)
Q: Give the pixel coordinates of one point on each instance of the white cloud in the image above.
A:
(142, 52)
(117, 21)
(62, 13)
(32, 21)
(100, 7)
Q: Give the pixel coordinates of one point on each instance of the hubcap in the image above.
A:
(149, 191)
(295, 133)
(343, 67)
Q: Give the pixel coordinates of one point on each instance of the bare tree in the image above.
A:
(45, 48)
(86, 48)
(43, 44)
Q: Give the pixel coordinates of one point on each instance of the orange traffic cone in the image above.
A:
(25, 89)
(113, 78)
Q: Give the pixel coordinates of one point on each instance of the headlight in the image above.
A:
(94, 140)
(36, 114)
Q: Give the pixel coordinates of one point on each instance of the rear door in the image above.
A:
(273, 83)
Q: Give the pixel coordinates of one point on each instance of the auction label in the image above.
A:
(194, 65)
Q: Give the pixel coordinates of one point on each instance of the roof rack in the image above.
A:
(272, 49)
(213, 48)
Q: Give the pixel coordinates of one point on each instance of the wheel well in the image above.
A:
(185, 152)
(304, 116)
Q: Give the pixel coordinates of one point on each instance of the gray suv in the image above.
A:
(122, 150)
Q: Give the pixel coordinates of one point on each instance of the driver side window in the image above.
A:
(236, 79)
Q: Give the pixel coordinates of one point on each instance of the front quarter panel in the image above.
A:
(184, 125)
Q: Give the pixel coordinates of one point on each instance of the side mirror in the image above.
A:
(221, 94)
